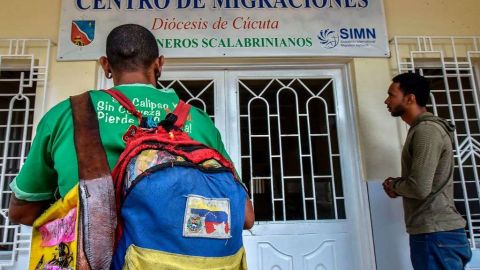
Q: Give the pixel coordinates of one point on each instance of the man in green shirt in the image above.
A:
(134, 64)
(437, 235)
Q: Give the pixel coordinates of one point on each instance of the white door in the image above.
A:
(292, 136)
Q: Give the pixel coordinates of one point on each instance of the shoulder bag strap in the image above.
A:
(92, 160)
(97, 212)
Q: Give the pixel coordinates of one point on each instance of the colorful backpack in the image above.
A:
(180, 203)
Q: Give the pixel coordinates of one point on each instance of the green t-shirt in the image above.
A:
(52, 162)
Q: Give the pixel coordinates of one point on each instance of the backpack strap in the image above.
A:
(122, 99)
(181, 111)
(96, 208)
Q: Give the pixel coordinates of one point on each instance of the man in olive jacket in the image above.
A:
(437, 235)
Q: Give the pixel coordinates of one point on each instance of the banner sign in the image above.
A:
(229, 28)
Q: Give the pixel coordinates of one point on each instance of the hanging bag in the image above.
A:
(77, 231)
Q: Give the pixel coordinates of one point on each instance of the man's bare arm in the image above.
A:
(25, 212)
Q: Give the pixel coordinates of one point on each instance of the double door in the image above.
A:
(292, 137)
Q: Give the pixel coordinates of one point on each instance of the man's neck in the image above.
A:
(410, 115)
(134, 77)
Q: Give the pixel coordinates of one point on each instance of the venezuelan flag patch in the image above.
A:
(207, 217)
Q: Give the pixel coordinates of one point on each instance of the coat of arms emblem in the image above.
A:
(83, 32)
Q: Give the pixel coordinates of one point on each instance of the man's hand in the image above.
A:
(387, 186)
(249, 215)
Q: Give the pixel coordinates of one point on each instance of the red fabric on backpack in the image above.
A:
(181, 111)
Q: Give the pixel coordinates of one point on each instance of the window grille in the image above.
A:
(451, 64)
(23, 80)
(289, 148)
(199, 93)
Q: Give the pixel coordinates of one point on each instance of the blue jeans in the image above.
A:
(448, 250)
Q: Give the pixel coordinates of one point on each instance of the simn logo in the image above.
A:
(328, 38)
(358, 33)
(345, 37)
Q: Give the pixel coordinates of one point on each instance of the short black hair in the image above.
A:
(131, 47)
(416, 84)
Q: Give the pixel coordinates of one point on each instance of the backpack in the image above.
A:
(180, 203)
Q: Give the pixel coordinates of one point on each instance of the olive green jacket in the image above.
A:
(426, 184)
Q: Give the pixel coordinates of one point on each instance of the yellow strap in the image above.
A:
(147, 259)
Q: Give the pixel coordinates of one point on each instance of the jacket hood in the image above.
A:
(448, 127)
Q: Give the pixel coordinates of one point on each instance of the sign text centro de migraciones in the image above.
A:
(216, 4)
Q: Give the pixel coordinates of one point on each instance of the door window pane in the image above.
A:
(290, 156)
